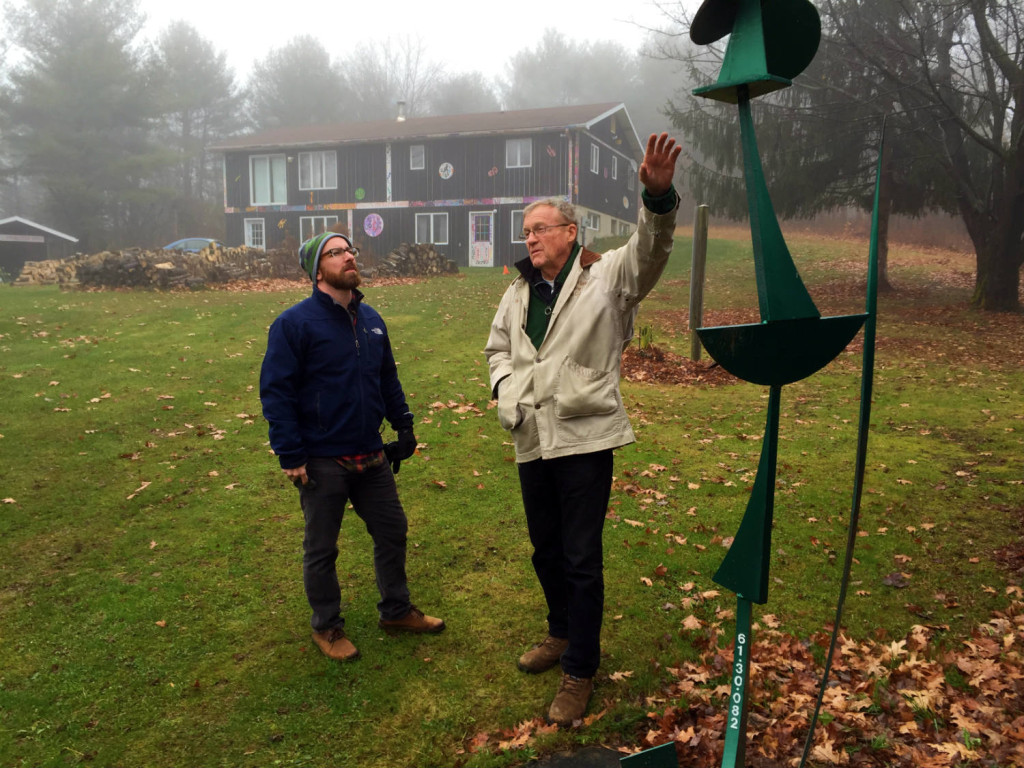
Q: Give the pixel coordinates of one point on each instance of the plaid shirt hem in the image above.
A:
(361, 462)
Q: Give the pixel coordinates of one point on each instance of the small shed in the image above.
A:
(22, 240)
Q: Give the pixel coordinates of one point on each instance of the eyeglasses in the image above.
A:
(340, 252)
(539, 230)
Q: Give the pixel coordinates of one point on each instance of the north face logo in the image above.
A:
(378, 331)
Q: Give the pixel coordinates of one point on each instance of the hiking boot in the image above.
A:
(571, 700)
(543, 656)
(414, 621)
(335, 645)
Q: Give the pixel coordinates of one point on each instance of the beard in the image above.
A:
(344, 281)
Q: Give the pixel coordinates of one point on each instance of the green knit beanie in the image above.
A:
(309, 251)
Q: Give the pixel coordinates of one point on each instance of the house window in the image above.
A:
(592, 221)
(432, 228)
(417, 157)
(518, 153)
(310, 226)
(318, 170)
(595, 158)
(267, 180)
(631, 178)
(254, 237)
(517, 226)
(615, 167)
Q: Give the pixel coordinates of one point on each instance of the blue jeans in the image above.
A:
(374, 497)
(566, 500)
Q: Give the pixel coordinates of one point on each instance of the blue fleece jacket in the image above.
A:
(327, 382)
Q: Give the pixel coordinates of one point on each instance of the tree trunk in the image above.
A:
(997, 283)
(885, 183)
(998, 238)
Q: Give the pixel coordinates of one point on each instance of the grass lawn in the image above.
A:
(151, 604)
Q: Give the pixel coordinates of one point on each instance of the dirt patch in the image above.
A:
(658, 366)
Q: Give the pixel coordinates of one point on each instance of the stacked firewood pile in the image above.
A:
(168, 270)
(163, 270)
(419, 260)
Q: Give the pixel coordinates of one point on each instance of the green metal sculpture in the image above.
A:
(771, 42)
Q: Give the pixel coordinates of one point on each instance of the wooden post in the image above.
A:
(697, 260)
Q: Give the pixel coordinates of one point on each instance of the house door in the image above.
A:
(481, 239)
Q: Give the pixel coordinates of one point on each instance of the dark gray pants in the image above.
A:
(374, 497)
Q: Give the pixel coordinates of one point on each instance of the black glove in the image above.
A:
(406, 443)
(391, 456)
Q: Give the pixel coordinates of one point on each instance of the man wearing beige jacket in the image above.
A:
(554, 351)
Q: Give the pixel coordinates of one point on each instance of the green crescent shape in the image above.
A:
(744, 568)
(782, 351)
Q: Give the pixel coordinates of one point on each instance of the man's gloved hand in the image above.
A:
(406, 443)
(391, 455)
(401, 449)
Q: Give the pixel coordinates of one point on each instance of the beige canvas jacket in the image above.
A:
(564, 398)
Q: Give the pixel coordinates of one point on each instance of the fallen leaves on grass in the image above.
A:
(911, 703)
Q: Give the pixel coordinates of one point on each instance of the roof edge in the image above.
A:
(40, 227)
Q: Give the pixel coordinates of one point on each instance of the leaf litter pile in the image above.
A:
(909, 703)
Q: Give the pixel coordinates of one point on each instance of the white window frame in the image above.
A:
(615, 167)
(431, 218)
(276, 170)
(595, 158)
(515, 150)
(417, 160)
(314, 225)
(592, 220)
(255, 233)
(318, 170)
(517, 231)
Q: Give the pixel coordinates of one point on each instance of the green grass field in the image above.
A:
(151, 604)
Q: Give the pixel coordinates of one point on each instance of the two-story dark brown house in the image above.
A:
(460, 182)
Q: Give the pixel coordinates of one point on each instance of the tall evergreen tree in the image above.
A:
(80, 115)
(199, 103)
(561, 71)
(462, 94)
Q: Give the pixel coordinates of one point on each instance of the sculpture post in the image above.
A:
(771, 42)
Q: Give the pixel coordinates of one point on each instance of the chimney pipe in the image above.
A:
(401, 111)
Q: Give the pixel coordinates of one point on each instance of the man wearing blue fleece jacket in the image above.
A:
(327, 383)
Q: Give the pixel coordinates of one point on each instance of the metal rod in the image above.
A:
(698, 258)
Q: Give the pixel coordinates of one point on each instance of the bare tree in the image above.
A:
(390, 72)
(297, 84)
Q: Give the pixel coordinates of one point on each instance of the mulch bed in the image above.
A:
(658, 366)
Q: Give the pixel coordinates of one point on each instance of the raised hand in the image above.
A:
(659, 165)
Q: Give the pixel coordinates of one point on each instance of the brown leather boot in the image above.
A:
(571, 700)
(335, 645)
(414, 621)
(544, 655)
